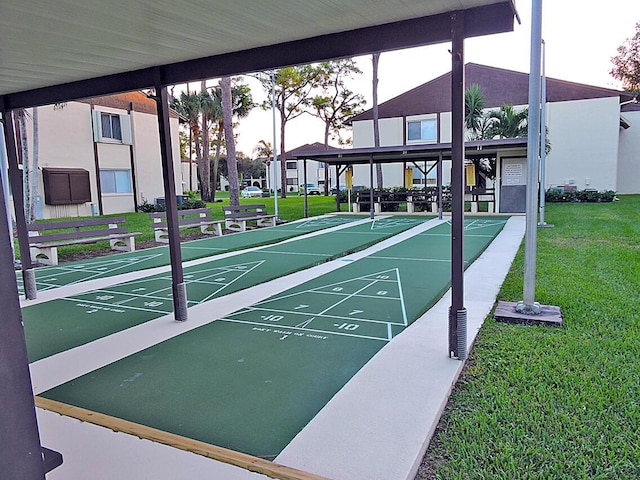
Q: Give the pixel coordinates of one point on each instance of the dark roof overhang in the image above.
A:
(402, 153)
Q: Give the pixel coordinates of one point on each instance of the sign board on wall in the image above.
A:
(513, 185)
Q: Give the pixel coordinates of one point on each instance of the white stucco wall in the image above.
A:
(629, 155)
(391, 133)
(146, 151)
(584, 141)
(584, 136)
(65, 141)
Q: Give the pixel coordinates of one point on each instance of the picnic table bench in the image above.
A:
(43, 245)
(236, 218)
(384, 201)
(188, 218)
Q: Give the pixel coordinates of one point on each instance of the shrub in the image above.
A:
(591, 196)
(146, 207)
(191, 203)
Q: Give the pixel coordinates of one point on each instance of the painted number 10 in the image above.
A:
(347, 326)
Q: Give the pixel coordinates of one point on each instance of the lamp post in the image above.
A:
(275, 149)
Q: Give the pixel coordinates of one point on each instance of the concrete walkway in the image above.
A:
(377, 427)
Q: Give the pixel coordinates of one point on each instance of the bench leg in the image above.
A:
(409, 207)
(161, 235)
(267, 222)
(235, 225)
(50, 254)
(216, 229)
(129, 244)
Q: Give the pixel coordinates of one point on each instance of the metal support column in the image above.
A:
(20, 455)
(177, 277)
(543, 141)
(457, 312)
(371, 205)
(306, 198)
(439, 175)
(528, 305)
(338, 188)
(15, 177)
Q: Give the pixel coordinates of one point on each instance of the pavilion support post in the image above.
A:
(457, 312)
(439, 175)
(337, 188)
(177, 276)
(304, 181)
(20, 455)
(371, 205)
(15, 178)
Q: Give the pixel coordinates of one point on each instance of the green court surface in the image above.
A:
(117, 264)
(252, 380)
(82, 318)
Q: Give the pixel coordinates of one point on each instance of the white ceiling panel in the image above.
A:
(50, 42)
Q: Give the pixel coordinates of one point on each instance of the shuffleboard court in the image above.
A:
(58, 325)
(120, 263)
(252, 380)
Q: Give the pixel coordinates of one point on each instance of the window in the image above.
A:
(292, 165)
(422, 129)
(292, 181)
(64, 186)
(115, 181)
(111, 126)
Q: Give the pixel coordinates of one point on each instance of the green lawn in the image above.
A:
(556, 403)
(289, 209)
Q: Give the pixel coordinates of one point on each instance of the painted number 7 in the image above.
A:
(355, 312)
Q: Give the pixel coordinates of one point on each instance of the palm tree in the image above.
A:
(474, 117)
(232, 166)
(509, 123)
(189, 105)
(242, 104)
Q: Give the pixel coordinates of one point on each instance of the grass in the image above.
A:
(556, 403)
(289, 209)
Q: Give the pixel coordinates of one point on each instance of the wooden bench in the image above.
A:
(236, 218)
(190, 218)
(44, 246)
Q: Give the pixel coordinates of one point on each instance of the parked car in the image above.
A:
(343, 188)
(312, 189)
(251, 192)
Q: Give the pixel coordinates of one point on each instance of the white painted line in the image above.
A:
(310, 330)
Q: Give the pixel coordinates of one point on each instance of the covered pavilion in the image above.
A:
(417, 155)
(61, 50)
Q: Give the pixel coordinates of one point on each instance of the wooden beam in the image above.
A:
(224, 455)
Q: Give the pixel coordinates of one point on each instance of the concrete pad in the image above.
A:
(549, 315)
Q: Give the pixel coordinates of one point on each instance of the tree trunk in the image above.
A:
(326, 167)
(21, 118)
(216, 161)
(283, 164)
(33, 179)
(200, 163)
(232, 165)
(206, 179)
(376, 127)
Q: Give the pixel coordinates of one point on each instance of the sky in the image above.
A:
(581, 36)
